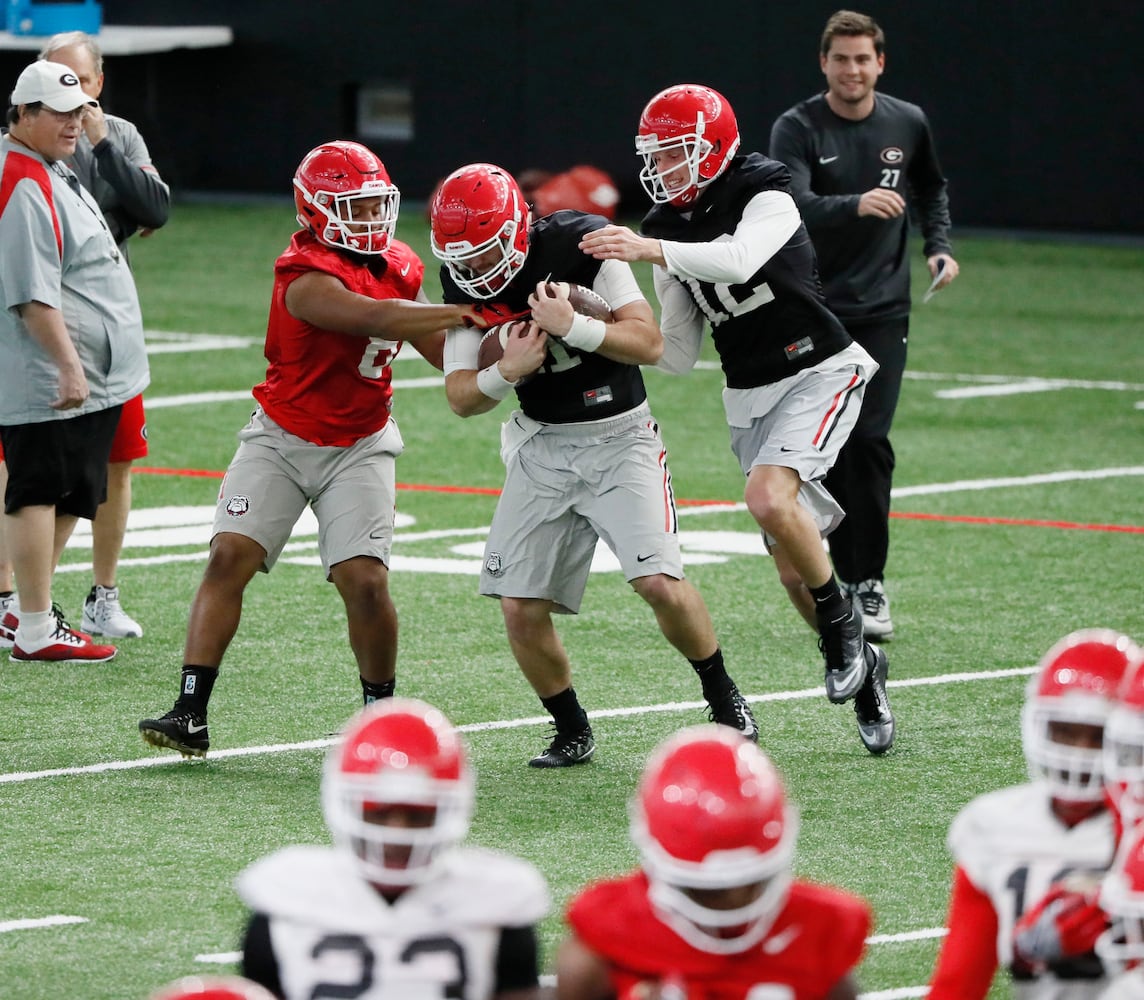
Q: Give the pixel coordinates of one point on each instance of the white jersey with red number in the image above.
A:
(327, 387)
(1012, 848)
(333, 935)
(816, 940)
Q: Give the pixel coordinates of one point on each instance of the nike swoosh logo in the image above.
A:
(824, 160)
(192, 728)
(405, 270)
(773, 945)
(644, 558)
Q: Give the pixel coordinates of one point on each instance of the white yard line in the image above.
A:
(167, 760)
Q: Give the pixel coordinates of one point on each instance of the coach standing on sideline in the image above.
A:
(854, 156)
(71, 336)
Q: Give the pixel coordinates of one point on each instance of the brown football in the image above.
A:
(587, 302)
(493, 344)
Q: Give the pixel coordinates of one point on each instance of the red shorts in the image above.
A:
(130, 436)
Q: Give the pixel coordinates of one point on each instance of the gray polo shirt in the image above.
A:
(55, 248)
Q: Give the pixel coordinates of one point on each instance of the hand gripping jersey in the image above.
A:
(572, 385)
(776, 323)
(326, 387)
(333, 935)
(816, 940)
(1011, 847)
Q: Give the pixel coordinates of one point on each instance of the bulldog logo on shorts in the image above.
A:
(237, 506)
(493, 564)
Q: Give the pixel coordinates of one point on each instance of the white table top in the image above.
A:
(127, 40)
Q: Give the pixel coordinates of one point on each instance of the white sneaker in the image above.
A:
(870, 595)
(9, 619)
(104, 615)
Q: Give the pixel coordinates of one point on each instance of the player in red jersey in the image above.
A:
(346, 295)
(1028, 857)
(714, 912)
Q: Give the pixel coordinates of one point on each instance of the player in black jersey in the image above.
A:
(584, 457)
(854, 158)
(730, 250)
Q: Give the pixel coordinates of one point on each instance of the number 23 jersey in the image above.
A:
(333, 935)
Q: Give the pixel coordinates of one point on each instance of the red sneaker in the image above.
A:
(65, 646)
(8, 625)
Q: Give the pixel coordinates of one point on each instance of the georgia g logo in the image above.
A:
(892, 154)
(69, 80)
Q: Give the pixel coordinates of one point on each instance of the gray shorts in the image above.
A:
(274, 475)
(568, 485)
(801, 423)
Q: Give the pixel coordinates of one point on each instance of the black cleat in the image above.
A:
(731, 709)
(841, 644)
(179, 729)
(567, 749)
(875, 720)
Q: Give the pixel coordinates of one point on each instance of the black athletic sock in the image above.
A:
(566, 711)
(196, 688)
(830, 604)
(713, 675)
(372, 692)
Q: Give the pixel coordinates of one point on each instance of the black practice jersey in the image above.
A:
(776, 323)
(572, 385)
(833, 161)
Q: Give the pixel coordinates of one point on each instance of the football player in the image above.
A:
(583, 454)
(729, 250)
(714, 910)
(397, 907)
(1029, 857)
(1121, 946)
(346, 295)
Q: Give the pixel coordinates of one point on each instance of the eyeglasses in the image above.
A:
(66, 116)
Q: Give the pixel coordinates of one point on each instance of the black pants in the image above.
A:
(861, 478)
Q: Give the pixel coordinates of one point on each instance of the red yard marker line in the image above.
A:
(1129, 529)
(1022, 522)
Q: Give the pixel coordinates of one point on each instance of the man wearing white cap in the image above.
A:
(71, 335)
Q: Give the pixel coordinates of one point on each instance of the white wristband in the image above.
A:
(585, 334)
(493, 384)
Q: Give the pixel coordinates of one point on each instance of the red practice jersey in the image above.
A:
(816, 940)
(326, 387)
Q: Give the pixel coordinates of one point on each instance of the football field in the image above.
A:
(1018, 517)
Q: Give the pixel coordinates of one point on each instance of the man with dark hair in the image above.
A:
(854, 158)
(71, 336)
(114, 165)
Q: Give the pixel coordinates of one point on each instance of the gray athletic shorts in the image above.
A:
(801, 423)
(567, 485)
(274, 475)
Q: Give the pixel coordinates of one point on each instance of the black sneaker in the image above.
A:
(180, 729)
(875, 720)
(567, 749)
(731, 709)
(841, 645)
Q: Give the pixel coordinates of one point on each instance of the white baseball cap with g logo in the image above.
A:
(52, 84)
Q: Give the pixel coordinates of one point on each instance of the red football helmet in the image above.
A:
(479, 222)
(329, 180)
(711, 814)
(1123, 755)
(1077, 682)
(1122, 898)
(213, 988)
(397, 752)
(695, 120)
